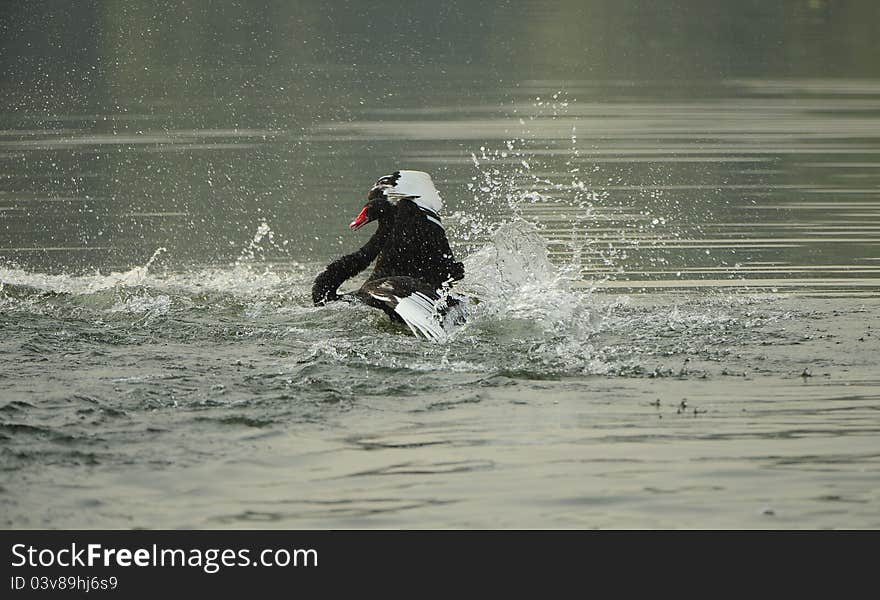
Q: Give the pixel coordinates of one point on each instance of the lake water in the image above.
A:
(669, 217)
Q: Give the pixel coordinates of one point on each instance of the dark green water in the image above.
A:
(670, 215)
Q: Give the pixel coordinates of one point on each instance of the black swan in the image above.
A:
(415, 266)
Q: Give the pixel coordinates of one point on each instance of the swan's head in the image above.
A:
(373, 210)
(412, 185)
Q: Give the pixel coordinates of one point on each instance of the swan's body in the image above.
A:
(415, 266)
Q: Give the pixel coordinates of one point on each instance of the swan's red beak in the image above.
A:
(360, 220)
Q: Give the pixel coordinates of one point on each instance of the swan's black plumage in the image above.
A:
(417, 247)
(346, 267)
(411, 251)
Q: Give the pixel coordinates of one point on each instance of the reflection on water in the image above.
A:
(743, 159)
(746, 189)
(669, 215)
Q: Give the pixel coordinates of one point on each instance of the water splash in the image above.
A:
(515, 271)
(249, 253)
(143, 303)
(78, 284)
(515, 256)
(597, 226)
(520, 294)
(136, 275)
(141, 290)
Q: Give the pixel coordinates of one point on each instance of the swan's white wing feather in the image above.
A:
(421, 315)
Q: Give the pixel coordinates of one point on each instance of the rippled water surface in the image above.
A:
(673, 269)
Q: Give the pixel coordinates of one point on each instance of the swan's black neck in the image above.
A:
(346, 267)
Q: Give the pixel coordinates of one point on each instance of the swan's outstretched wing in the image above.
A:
(424, 310)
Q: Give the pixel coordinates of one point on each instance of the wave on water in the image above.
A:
(521, 304)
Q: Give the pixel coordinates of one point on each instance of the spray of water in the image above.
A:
(515, 279)
(136, 287)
